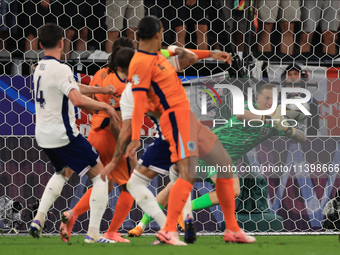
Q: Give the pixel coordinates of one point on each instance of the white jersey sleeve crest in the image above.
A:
(66, 80)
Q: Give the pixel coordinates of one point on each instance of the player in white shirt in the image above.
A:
(57, 94)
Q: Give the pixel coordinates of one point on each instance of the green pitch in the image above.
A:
(208, 245)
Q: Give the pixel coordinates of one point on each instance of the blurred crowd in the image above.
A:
(285, 29)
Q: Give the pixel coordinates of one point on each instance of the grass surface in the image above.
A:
(209, 245)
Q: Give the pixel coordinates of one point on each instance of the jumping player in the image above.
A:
(180, 128)
(161, 165)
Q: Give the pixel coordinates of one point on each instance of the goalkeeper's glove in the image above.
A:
(268, 119)
(289, 131)
(276, 120)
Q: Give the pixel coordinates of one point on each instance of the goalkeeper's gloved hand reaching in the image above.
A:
(278, 121)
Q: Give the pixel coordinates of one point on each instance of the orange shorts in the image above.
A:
(186, 135)
(105, 144)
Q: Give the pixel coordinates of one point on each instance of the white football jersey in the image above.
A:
(126, 102)
(55, 114)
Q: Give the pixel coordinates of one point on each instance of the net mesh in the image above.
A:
(277, 202)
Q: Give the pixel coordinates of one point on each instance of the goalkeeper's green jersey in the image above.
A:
(238, 137)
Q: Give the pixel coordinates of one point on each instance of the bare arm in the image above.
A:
(115, 126)
(89, 104)
(123, 140)
(185, 58)
(89, 90)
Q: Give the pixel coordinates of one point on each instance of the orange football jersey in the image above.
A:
(101, 79)
(153, 74)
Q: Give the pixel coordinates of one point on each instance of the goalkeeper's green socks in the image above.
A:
(201, 202)
(197, 204)
(147, 219)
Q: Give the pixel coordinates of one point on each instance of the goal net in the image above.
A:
(289, 199)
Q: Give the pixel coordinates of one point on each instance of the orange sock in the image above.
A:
(123, 207)
(225, 194)
(83, 204)
(177, 198)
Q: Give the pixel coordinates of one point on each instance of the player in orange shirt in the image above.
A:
(153, 78)
(102, 136)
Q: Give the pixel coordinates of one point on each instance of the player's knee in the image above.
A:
(133, 184)
(128, 185)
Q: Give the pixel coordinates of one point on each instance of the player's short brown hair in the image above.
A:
(123, 57)
(49, 35)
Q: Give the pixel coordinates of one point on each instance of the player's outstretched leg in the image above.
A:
(225, 193)
(137, 186)
(162, 199)
(51, 193)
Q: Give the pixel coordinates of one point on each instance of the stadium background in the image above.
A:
(295, 200)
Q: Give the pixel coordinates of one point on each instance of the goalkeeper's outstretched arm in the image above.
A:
(298, 136)
(276, 120)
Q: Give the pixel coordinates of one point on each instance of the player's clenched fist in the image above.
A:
(109, 89)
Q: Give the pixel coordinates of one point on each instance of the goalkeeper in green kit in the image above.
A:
(238, 138)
